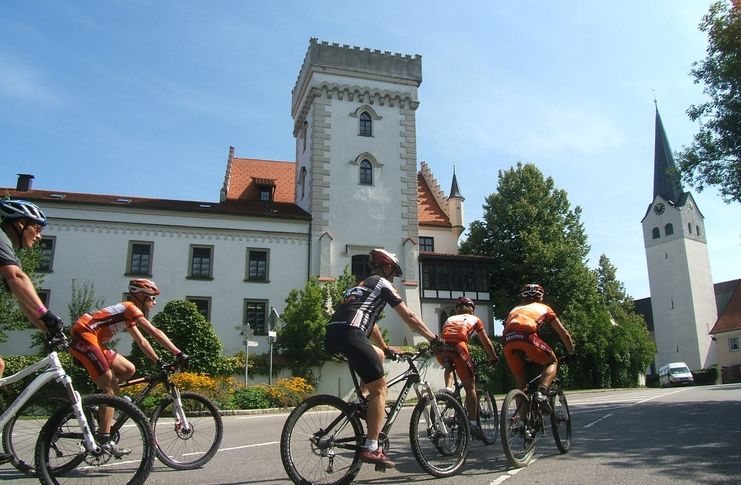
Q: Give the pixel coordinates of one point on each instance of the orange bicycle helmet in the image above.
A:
(147, 287)
(465, 301)
(532, 291)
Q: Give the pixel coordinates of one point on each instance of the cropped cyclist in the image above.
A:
(349, 329)
(456, 331)
(22, 222)
(520, 337)
(93, 330)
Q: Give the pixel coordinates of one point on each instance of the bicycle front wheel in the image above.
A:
(518, 439)
(561, 421)
(321, 442)
(22, 431)
(126, 459)
(184, 447)
(488, 417)
(439, 435)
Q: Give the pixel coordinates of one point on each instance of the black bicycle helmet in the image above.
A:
(465, 301)
(22, 209)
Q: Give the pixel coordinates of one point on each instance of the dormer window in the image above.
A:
(265, 188)
(366, 124)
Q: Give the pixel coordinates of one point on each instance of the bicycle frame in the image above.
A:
(54, 371)
(153, 381)
(412, 379)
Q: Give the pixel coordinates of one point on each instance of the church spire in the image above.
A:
(454, 190)
(666, 179)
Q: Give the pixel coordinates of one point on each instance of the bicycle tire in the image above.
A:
(441, 455)
(561, 421)
(309, 457)
(187, 450)
(61, 439)
(518, 439)
(22, 430)
(488, 419)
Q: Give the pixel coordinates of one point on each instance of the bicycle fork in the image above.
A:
(88, 439)
(181, 419)
(435, 416)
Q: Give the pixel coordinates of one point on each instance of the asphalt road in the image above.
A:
(657, 436)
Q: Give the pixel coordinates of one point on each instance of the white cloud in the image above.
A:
(23, 83)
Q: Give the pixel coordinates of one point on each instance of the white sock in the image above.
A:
(371, 445)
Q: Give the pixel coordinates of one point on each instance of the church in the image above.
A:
(355, 184)
(691, 319)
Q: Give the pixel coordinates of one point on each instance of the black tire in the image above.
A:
(22, 431)
(518, 438)
(488, 419)
(186, 450)
(561, 421)
(439, 454)
(61, 441)
(332, 457)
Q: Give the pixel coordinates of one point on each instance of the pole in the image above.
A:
(270, 375)
(246, 361)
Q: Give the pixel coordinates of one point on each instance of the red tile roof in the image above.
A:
(429, 212)
(240, 207)
(245, 175)
(730, 319)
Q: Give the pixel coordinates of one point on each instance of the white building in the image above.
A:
(355, 185)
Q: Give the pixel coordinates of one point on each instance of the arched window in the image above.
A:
(366, 173)
(697, 230)
(366, 124)
(669, 229)
(443, 318)
(689, 227)
(655, 233)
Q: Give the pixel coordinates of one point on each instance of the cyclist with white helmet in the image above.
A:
(520, 337)
(457, 329)
(354, 322)
(22, 222)
(93, 330)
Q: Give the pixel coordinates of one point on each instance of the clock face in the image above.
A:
(659, 209)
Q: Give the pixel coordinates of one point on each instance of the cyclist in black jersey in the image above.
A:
(354, 322)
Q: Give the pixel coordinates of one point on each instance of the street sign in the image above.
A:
(251, 343)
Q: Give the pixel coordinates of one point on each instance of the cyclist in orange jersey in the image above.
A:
(93, 330)
(520, 337)
(457, 329)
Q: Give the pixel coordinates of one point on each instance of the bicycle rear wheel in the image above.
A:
(561, 421)
(488, 417)
(22, 431)
(440, 441)
(61, 441)
(518, 439)
(186, 449)
(321, 442)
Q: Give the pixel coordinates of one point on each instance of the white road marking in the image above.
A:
(510, 473)
(597, 421)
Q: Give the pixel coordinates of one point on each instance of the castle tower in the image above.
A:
(680, 280)
(455, 207)
(354, 114)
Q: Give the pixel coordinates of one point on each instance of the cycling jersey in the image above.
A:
(528, 318)
(456, 332)
(362, 303)
(107, 322)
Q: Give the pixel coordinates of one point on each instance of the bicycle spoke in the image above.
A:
(488, 417)
(518, 439)
(561, 421)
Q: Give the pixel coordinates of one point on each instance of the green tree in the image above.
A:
(307, 311)
(191, 333)
(714, 157)
(533, 233)
(83, 300)
(11, 317)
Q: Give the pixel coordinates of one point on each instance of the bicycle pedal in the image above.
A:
(380, 468)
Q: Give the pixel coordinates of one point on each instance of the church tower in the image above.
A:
(354, 115)
(680, 280)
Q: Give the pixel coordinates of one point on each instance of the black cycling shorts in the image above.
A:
(354, 345)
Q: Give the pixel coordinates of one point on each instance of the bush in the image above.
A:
(218, 389)
(706, 377)
(253, 397)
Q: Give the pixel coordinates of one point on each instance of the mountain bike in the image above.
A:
(488, 416)
(187, 426)
(85, 458)
(523, 419)
(323, 436)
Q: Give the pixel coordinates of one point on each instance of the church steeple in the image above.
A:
(666, 178)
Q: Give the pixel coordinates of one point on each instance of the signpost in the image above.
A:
(272, 322)
(247, 332)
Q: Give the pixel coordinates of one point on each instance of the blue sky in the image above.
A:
(145, 97)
